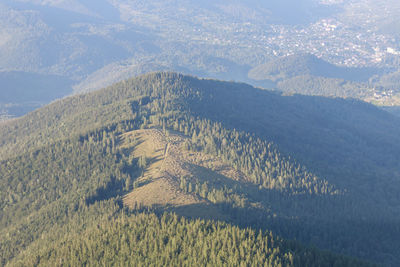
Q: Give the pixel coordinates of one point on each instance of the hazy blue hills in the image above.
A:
(279, 12)
(63, 40)
(97, 44)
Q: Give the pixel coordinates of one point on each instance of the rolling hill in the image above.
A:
(307, 64)
(322, 171)
(307, 74)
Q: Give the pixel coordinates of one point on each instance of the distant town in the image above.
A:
(328, 38)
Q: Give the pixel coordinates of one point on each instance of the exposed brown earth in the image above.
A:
(167, 163)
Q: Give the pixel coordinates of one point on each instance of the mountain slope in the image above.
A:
(300, 166)
(309, 75)
(307, 64)
(170, 240)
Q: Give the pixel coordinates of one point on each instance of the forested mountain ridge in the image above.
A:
(309, 173)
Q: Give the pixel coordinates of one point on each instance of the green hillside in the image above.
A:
(309, 75)
(322, 86)
(307, 64)
(319, 170)
(147, 239)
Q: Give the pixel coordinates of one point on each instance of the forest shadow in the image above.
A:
(343, 237)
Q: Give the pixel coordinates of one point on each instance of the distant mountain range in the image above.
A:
(94, 45)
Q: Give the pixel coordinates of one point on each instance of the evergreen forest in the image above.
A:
(173, 170)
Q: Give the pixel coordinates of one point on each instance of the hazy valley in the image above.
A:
(95, 45)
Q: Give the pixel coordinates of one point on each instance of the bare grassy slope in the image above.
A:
(167, 162)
